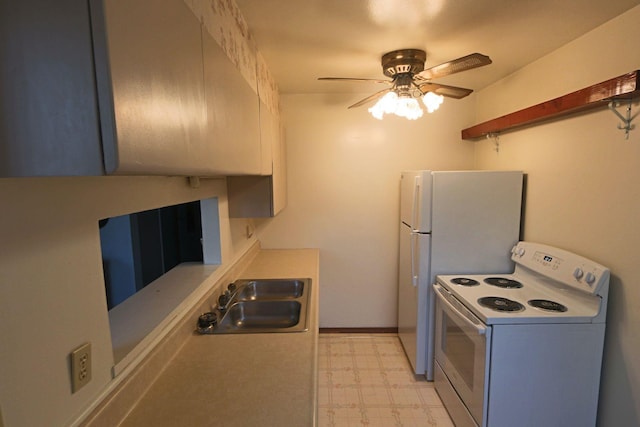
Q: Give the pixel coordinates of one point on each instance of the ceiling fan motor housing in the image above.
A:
(403, 61)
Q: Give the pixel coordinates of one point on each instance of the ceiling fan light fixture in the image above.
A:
(408, 108)
(403, 106)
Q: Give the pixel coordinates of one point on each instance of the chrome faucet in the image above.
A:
(226, 297)
(208, 321)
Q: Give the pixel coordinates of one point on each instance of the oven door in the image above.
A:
(462, 344)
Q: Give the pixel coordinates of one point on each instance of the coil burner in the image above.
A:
(503, 282)
(500, 304)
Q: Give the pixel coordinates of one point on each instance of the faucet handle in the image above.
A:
(223, 300)
(231, 287)
(207, 322)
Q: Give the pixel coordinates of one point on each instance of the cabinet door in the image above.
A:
(269, 135)
(273, 146)
(150, 86)
(48, 112)
(233, 128)
(262, 196)
(279, 173)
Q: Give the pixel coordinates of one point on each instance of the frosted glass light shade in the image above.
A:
(405, 106)
(432, 101)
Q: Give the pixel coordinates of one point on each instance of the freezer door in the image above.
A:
(415, 200)
(476, 221)
(413, 296)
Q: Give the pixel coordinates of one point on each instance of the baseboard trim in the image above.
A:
(358, 330)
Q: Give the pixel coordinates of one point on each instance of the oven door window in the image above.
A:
(461, 343)
(459, 347)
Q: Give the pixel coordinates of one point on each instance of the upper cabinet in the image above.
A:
(233, 126)
(272, 137)
(49, 121)
(266, 195)
(150, 87)
(122, 87)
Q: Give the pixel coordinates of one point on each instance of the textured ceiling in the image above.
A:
(302, 40)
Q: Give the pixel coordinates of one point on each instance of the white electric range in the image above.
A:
(522, 349)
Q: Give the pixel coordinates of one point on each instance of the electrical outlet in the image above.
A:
(80, 367)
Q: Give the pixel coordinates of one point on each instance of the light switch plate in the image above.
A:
(80, 367)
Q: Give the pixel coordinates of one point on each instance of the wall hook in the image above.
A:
(626, 120)
(496, 140)
(194, 181)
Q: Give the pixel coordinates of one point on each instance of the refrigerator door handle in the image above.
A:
(415, 208)
(413, 243)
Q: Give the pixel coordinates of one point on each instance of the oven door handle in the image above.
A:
(453, 306)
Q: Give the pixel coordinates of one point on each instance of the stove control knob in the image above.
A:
(578, 273)
(521, 252)
(590, 278)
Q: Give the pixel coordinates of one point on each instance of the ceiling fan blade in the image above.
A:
(349, 79)
(370, 98)
(465, 63)
(444, 90)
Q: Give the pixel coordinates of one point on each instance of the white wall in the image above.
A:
(52, 296)
(343, 173)
(582, 189)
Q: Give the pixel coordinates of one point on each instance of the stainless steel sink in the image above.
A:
(269, 289)
(261, 316)
(266, 305)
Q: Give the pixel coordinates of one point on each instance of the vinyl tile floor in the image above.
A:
(366, 380)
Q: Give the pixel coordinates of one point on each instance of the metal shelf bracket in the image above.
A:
(627, 126)
(496, 140)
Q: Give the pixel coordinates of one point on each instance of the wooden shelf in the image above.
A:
(622, 87)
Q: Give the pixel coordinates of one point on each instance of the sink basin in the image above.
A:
(269, 289)
(261, 316)
(267, 305)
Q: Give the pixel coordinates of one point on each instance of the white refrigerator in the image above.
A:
(451, 222)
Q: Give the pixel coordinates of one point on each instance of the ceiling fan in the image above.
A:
(410, 81)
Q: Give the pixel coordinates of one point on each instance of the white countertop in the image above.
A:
(243, 380)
